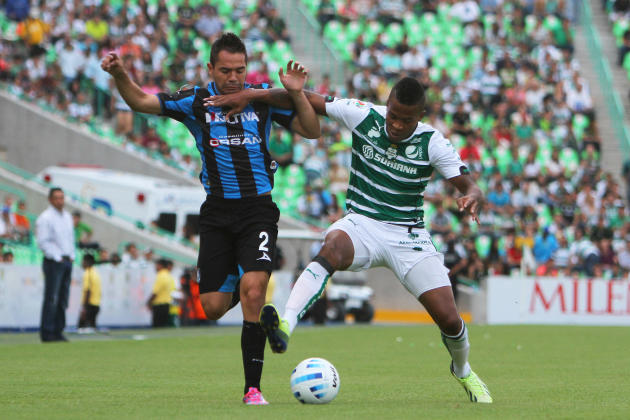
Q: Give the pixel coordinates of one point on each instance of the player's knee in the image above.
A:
(336, 253)
(451, 324)
(253, 296)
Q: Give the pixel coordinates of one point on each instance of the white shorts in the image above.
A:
(379, 244)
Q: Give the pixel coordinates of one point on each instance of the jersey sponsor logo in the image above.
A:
(413, 152)
(368, 151)
(414, 242)
(360, 104)
(395, 165)
(234, 119)
(236, 141)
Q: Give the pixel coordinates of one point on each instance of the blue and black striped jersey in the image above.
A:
(234, 154)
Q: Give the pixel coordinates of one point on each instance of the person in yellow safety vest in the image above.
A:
(160, 300)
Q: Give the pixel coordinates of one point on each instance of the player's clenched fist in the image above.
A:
(112, 64)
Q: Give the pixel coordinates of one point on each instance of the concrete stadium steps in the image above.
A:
(33, 139)
(308, 45)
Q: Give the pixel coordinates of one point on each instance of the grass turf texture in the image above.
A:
(394, 372)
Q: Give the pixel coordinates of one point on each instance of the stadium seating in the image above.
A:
(274, 53)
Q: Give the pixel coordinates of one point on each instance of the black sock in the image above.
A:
(253, 347)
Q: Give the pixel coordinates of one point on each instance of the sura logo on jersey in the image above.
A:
(235, 141)
(368, 151)
(234, 119)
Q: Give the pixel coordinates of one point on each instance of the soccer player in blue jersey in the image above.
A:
(238, 221)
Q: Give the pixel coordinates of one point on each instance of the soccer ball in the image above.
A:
(315, 381)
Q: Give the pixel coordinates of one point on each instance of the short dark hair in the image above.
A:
(88, 259)
(408, 91)
(228, 42)
(52, 191)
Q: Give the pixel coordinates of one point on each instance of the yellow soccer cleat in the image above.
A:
(475, 388)
(276, 328)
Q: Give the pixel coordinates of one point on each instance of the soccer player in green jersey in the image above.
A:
(393, 157)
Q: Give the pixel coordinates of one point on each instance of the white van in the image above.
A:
(171, 205)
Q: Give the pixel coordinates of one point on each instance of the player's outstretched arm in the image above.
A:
(132, 94)
(275, 97)
(305, 122)
(472, 199)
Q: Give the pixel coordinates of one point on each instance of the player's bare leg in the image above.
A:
(440, 304)
(338, 250)
(215, 304)
(253, 290)
(336, 254)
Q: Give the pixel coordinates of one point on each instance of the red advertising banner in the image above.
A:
(545, 300)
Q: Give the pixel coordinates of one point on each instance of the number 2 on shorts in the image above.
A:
(265, 238)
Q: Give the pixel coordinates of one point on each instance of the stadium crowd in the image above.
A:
(513, 102)
(52, 56)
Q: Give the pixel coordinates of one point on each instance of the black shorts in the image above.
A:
(235, 236)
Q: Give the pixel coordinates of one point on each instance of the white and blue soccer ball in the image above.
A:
(315, 381)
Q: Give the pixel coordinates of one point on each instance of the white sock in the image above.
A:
(458, 346)
(307, 289)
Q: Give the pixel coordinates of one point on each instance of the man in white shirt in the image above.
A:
(465, 11)
(71, 60)
(55, 237)
(414, 60)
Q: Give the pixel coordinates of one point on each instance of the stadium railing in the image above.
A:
(611, 94)
(329, 60)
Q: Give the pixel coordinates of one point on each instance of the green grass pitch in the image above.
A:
(387, 372)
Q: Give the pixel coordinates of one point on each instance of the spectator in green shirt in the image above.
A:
(281, 150)
(83, 233)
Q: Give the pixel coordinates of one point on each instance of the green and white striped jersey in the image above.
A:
(387, 180)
